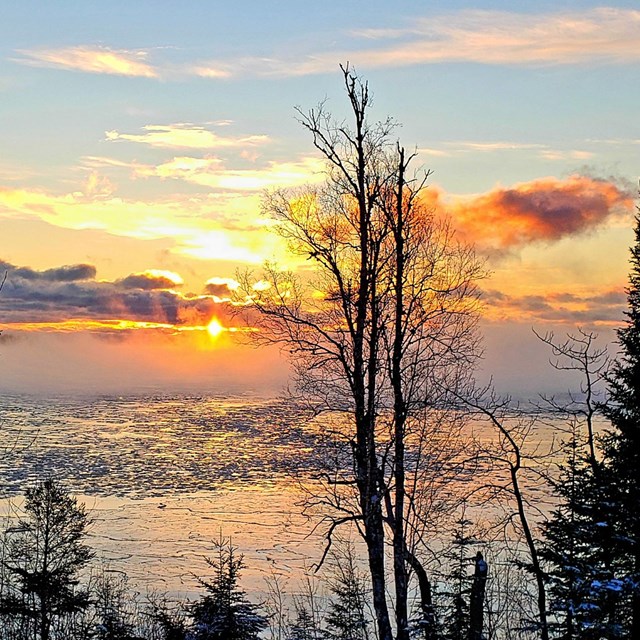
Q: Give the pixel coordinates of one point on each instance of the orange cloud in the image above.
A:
(119, 62)
(600, 309)
(542, 210)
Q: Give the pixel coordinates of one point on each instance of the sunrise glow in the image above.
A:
(214, 328)
(149, 200)
(331, 286)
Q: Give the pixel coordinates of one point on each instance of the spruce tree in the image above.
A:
(346, 618)
(304, 627)
(115, 607)
(45, 555)
(464, 592)
(456, 618)
(593, 537)
(622, 444)
(224, 613)
(580, 549)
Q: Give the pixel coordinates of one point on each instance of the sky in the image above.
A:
(137, 139)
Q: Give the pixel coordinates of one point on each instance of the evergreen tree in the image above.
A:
(622, 444)
(580, 549)
(167, 620)
(465, 593)
(309, 607)
(346, 618)
(593, 538)
(44, 557)
(115, 607)
(456, 617)
(224, 613)
(305, 627)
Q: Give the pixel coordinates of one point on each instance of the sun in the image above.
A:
(215, 328)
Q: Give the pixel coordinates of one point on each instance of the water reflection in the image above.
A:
(152, 446)
(162, 476)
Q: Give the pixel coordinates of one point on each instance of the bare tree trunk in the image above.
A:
(375, 545)
(533, 550)
(365, 370)
(476, 601)
(428, 622)
(384, 283)
(635, 598)
(399, 414)
(515, 466)
(371, 508)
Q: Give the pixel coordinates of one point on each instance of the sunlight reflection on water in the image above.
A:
(140, 447)
(163, 476)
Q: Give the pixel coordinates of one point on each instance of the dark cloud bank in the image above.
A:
(71, 292)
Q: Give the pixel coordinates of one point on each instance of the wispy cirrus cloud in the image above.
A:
(604, 35)
(212, 173)
(91, 59)
(537, 149)
(571, 154)
(488, 147)
(185, 136)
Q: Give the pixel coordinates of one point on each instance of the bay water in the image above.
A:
(162, 476)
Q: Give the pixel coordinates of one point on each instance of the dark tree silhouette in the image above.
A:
(45, 555)
(593, 537)
(622, 444)
(390, 309)
(455, 620)
(224, 613)
(115, 608)
(579, 550)
(477, 596)
(304, 626)
(510, 452)
(347, 617)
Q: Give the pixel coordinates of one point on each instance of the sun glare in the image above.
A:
(214, 328)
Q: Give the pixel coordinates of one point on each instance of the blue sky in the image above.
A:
(137, 138)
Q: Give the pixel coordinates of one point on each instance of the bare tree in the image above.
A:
(579, 353)
(275, 607)
(513, 434)
(309, 604)
(389, 309)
